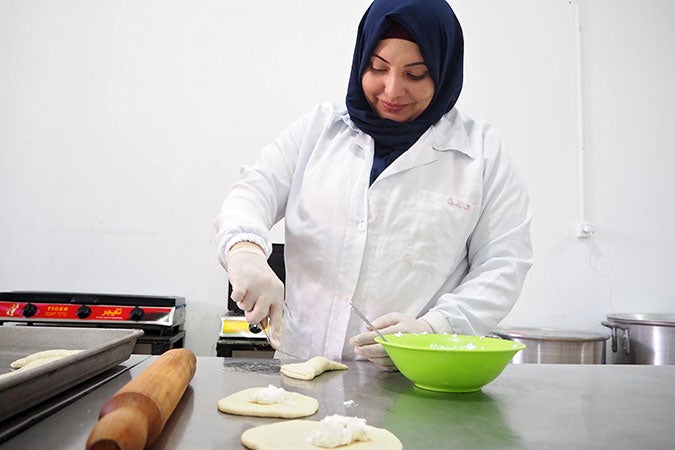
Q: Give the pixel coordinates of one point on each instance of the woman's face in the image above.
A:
(396, 83)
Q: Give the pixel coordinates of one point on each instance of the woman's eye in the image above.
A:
(417, 77)
(377, 69)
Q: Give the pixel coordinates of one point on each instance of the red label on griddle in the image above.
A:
(10, 309)
(109, 313)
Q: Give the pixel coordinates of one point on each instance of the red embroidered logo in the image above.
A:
(455, 203)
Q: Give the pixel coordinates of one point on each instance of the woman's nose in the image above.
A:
(394, 86)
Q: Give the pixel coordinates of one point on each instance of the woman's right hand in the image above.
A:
(255, 287)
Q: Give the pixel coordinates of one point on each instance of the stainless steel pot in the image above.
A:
(642, 338)
(551, 346)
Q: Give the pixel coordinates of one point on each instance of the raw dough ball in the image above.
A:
(294, 434)
(310, 369)
(295, 405)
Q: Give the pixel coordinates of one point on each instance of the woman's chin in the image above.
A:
(394, 116)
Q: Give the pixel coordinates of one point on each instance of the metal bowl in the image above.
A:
(642, 338)
(556, 346)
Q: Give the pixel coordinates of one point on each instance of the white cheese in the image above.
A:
(467, 346)
(268, 396)
(335, 431)
(433, 345)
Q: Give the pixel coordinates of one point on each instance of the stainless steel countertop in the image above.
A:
(528, 406)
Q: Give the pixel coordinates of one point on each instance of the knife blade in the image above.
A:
(367, 322)
(256, 328)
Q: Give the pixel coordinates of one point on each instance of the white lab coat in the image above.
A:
(443, 233)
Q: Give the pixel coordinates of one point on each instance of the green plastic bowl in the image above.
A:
(449, 362)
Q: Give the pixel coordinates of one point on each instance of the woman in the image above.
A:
(398, 203)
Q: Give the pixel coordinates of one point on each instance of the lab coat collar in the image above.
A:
(447, 134)
(361, 139)
(450, 133)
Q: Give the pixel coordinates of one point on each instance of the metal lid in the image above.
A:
(667, 320)
(549, 334)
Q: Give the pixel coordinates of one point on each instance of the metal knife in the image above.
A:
(367, 322)
(256, 328)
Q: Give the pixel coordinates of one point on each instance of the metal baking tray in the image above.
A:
(102, 349)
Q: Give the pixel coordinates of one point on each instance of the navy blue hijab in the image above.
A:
(439, 36)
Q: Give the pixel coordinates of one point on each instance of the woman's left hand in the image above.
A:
(365, 345)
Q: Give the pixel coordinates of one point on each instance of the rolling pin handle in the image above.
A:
(122, 429)
(133, 418)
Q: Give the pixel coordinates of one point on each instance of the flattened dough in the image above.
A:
(293, 434)
(52, 355)
(310, 369)
(23, 365)
(295, 405)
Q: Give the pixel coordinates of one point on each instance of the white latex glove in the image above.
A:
(256, 288)
(365, 345)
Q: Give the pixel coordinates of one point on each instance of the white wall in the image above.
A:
(122, 123)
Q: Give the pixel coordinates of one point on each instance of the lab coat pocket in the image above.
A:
(440, 226)
(296, 340)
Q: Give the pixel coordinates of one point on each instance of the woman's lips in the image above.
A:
(392, 107)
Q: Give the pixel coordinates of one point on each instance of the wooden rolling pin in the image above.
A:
(134, 417)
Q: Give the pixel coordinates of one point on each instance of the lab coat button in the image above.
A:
(362, 226)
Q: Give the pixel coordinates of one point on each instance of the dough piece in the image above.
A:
(38, 362)
(294, 434)
(57, 353)
(31, 364)
(311, 368)
(295, 405)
